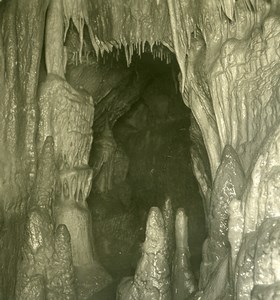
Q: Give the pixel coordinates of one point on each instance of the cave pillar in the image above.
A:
(67, 115)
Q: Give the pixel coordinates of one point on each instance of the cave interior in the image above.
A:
(139, 149)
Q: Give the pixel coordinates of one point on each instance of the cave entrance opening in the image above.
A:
(140, 152)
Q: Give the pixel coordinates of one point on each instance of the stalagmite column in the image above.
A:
(67, 114)
(183, 281)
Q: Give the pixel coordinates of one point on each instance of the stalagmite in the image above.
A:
(228, 185)
(152, 276)
(228, 8)
(244, 272)
(267, 256)
(41, 254)
(71, 209)
(61, 279)
(257, 269)
(68, 115)
(168, 217)
(218, 287)
(183, 281)
(235, 232)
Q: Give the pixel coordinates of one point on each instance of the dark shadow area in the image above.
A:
(140, 158)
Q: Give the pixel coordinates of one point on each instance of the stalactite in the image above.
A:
(228, 8)
(179, 38)
(54, 48)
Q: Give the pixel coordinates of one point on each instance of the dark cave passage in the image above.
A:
(141, 158)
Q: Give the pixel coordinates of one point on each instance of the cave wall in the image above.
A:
(234, 98)
(22, 34)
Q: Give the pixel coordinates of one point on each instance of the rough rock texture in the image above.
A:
(260, 200)
(103, 158)
(71, 210)
(258, 261)
(146, 20)
(217, 287)
(21, 21)
(269, 292)
(156, 277)
(60, 277)
(113, 87)
(248, 70)
(237, 104)
(221, 101)
(227, 186)
(201, 167)
(235, 233)
(67, 115)
(244, 267)
(45, 270)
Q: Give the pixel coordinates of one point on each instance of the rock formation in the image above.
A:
(152, 276)
(46, 268)
(57, 90)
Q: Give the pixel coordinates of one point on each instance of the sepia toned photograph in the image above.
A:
(139, 149)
